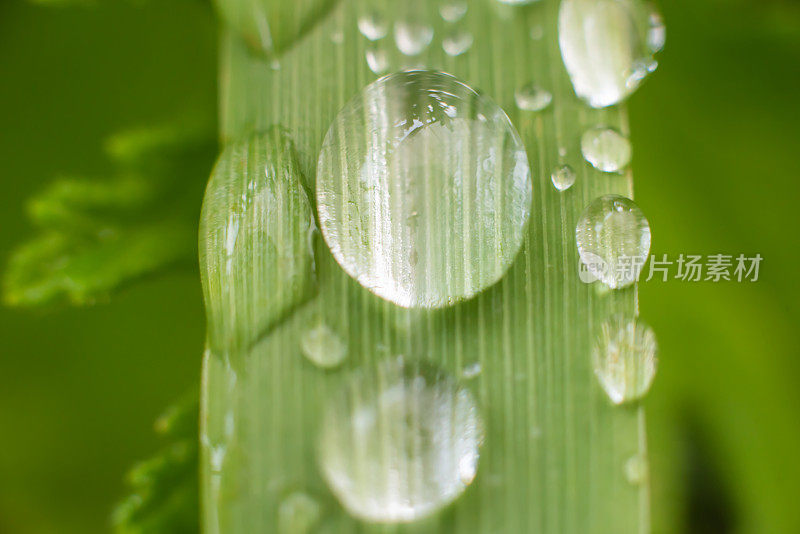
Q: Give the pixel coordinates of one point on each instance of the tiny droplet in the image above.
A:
(606, 149)
(624, 358)
(563, 177)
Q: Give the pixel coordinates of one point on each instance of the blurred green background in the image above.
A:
(716, 171)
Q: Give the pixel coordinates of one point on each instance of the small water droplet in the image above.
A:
(427, 148)
(656, 30)
(613, 239)
(607, 46)
(322, 347)
(412, 37)
(636, 468)
(456, 43)
(536, 32)
(472, 370)
(624, 358)
(377, 61)
(298, 513)
(606, 149)
(337, 36)
(372, 26)
(400, 443)
(531, 97)
(453, 10)
(563, 177)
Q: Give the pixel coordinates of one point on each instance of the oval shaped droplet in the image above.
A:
(256, 261)
(624, 358)
(613, 238)
(298, 513)
(453, 10)
(377, 61)
(457, 42)
(372, 26)
(423, 189)
(531, 97)
(322, 347)
(563, 177)
(606, 149)
(400, 442)
(412, 37)
(607, 46)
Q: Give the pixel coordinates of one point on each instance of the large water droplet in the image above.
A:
(412, 37)
(423, 189)
(400, 443)
(563, 177)
(613, 239)
(298, 513)
(453, 10)
(607, 46)
(624, 358)
(531, 97)
(606, 149)
(457, 42)
(372, 26)
(323, 347)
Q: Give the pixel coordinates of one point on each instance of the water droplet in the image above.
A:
(636, 468)
(453, 10)
(400, 443)
(563, 177)
(430, 207)
(377, 61)
(531, 97)
(372, 26)
(472, 370)
(323, 347)
(536, 32)
(255, 228)
(624, 358)
(607, 47)
(656, 30)
(613, 239)
(606, 149)
(337, 36)
(298, 513)
(412, 37)
(457, 42)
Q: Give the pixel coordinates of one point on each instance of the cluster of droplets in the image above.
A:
(402, 442)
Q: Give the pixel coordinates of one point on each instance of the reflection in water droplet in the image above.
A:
(636, 469)
(624, 358)
(453, 10)
(377, 61)
(606, 149)
(372, 26)
(531, 97)
(412, 37)
(613, 239)
(298, 513)
(323, 347)
(607, 46)
(400, 443)
(563, 177)
(430, 207)
(456, 43)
